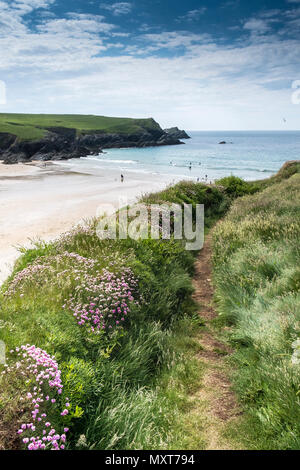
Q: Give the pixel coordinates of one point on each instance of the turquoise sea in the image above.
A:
(250, 155)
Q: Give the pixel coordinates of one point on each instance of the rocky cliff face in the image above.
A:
(177, 133)
(62, 143)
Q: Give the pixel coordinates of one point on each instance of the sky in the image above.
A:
(196, 64)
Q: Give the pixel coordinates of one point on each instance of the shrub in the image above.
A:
(236, 187)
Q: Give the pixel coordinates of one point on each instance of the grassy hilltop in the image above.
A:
(133, 387)
(34, 126)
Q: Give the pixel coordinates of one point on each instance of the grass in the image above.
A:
(289, 169)
(257, 280)
(34, 126)
(137, 387)
(126, 387)
(236, 187)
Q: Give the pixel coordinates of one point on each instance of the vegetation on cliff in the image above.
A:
(99, 333)
(35, 126)
(257, 284)
(109, 313)
(26, 137)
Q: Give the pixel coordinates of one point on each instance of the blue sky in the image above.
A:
(198, 64)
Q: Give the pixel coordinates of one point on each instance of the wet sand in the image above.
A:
(40, 201)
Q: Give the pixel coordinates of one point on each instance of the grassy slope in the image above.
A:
(134, 389)
(32, 126)
(257, 279)
(128, 385)
(288, 169)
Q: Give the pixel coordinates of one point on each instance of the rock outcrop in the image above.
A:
(62, 143)
(177, 133)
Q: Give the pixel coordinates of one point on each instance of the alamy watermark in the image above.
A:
(296, 94)
(153, 221)
(2, 353)
(2, 92)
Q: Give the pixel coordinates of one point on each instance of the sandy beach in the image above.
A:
(41, 200)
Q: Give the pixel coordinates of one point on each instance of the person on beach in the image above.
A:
(122, 178)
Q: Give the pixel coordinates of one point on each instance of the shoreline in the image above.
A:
(42, 200)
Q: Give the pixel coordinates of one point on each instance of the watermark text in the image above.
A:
(153, 221)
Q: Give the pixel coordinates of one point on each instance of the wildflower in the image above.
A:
(108, 297)
(40, 368)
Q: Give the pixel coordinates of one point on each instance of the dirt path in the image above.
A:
(214, 402)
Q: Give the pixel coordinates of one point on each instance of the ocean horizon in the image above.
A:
(250, 155)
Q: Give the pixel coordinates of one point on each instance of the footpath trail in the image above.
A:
(214, 404)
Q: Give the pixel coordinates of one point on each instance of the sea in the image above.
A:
(249, 155)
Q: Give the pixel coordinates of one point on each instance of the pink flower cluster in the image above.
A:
(28, 274)
(42, 372)
(33, 272)
(68, 237)
(103, 302)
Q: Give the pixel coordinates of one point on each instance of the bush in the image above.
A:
(236, 187)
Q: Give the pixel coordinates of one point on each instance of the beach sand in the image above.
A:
(42, 200)
(19, 170)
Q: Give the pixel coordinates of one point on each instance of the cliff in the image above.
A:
(177, 133)
(32, 137)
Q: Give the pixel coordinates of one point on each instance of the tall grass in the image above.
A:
(127, 388)
(124, 385)
(257, 278)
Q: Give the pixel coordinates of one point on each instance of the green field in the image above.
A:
(34, 126)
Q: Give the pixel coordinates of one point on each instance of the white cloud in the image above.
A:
(271, 13)
(12, 13)
(118, 8)
(210, 87)
(23, 7)
(171, 40)
(58, 44)
(257, 26)
(193, 15)
(59, 67)
(78, 24)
